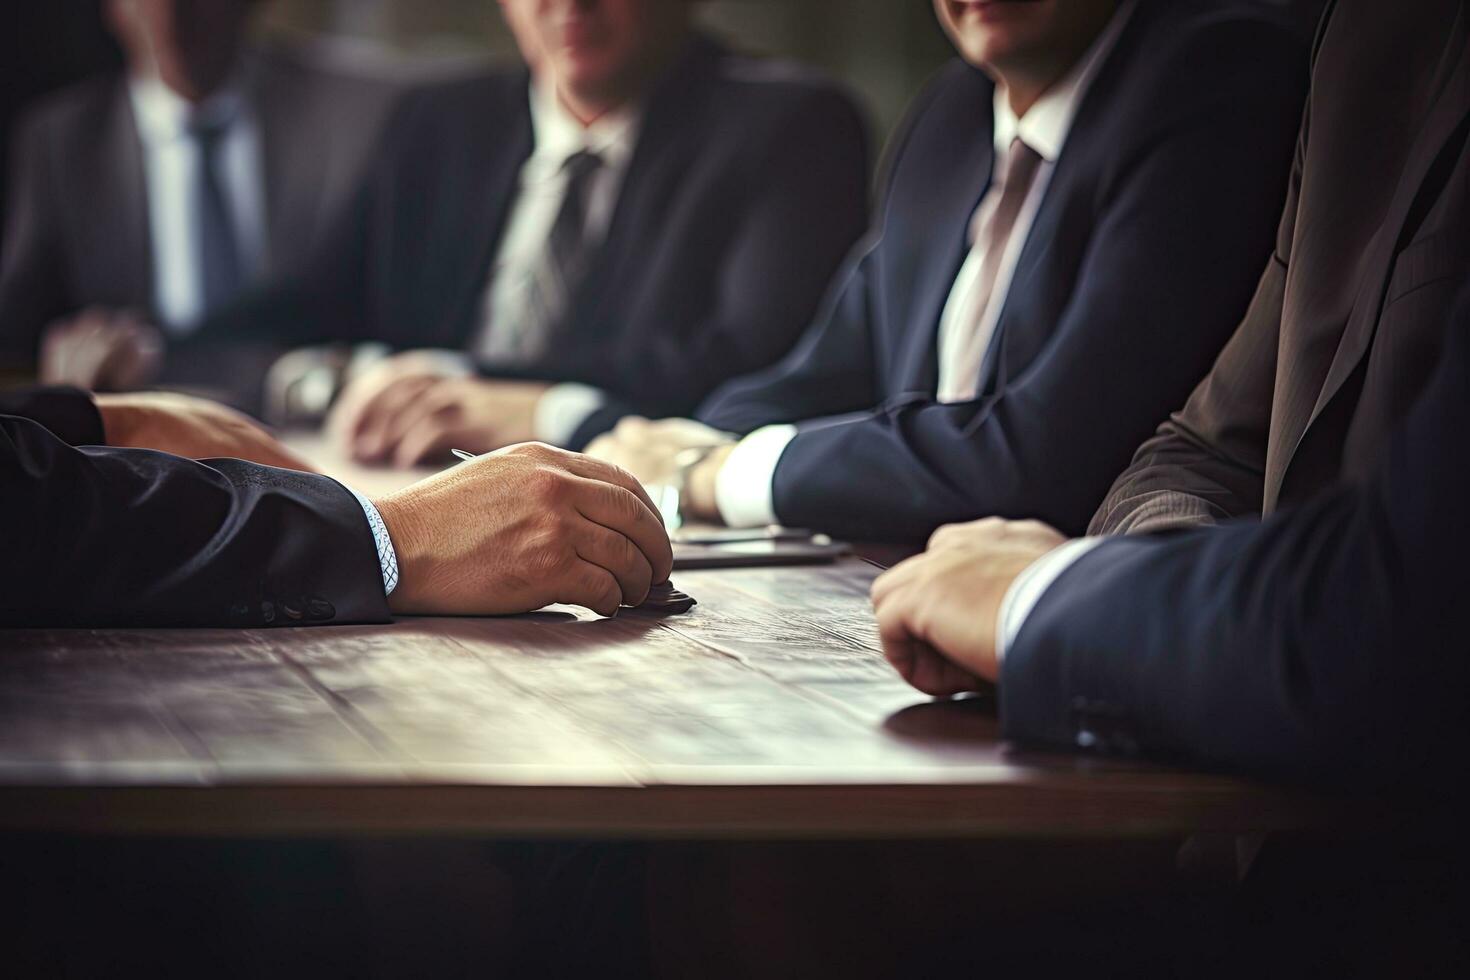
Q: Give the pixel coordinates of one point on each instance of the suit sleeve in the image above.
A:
(68, 413)
(1325, 643)
(126, 537)
(1207, 462)
(830, 371)
(1170, 264)
(32, 290)
(807, 206)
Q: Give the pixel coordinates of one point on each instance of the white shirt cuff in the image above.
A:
(450, 363)
(561, 411)
(1028, 588)
(387, 557)
(744, 487)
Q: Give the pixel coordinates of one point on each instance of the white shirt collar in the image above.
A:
(163, 115)
(1046, 124)
(558, 134)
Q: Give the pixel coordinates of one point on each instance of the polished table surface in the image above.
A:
(765, 712)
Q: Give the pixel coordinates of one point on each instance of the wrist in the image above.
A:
(404, 528)
(121, 419)
(700, 500)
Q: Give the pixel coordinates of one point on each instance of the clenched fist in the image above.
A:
(937, 612)
(522, 528)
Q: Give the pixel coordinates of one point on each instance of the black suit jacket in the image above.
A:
(746, 189)
(77, 233)
(1347, 320)
(96, 536)
(1139, 262)
(1325, 643)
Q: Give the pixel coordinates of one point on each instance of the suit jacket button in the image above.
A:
(319, 608)
(294, 610)
(268, 611)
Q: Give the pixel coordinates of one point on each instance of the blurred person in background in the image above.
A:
(637, 217)
(1072, 221)
(145, 201)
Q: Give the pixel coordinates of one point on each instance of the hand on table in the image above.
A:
(101, 350)
(937, 611)
(521, 528)
(190, 427)
(412, 409)
(651, 451)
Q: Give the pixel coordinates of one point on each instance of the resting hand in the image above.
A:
(413, 408)
(522, 528)
(102, 350)
(190, 427)
(937, 612)
(650, 450)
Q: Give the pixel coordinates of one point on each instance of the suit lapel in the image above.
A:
(937, 237)
(668, 135)
(941, 266)
(1447, 112)
(493, 157)
(292, 194)
(127, 249)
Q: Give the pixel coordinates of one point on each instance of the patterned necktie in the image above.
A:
(221, 275)
(1020, 170)
(556, 274)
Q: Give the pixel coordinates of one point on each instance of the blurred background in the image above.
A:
(883, 49)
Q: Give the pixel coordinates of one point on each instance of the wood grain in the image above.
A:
(766, 711)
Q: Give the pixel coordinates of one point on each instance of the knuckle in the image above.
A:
(547, 485)
(545, 550)
(627, 556)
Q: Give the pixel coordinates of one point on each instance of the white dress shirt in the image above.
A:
(541, 189)
(171, 162)
(744, 486)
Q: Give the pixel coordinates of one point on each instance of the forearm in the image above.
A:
(130, 537)
(1200, 647)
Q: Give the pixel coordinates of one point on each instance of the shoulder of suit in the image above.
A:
(1183, 47)
(477, 99)
(956, 90)
(774, 86)
(78, 110)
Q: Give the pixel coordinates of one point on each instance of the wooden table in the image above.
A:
(765, 712)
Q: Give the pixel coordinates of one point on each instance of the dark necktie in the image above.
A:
(557, 272)
(221, 275)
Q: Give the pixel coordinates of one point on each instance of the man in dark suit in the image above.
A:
(99, 533)
(1324, 643)
(1266, 647)
(1073, 217)
(1346, 323)
(642, 217)
(146, 200)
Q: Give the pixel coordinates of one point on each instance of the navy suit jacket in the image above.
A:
(1326, 643)
(1141, 258)
(747, 188)
(98, 536)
